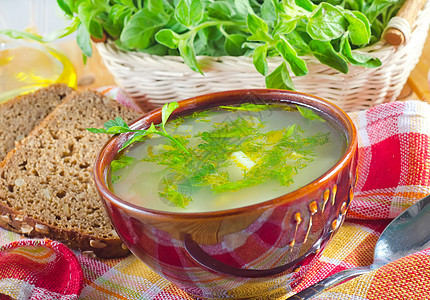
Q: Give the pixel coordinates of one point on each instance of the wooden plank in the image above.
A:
(418, 79)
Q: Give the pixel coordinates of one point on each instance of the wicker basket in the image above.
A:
(160, 79)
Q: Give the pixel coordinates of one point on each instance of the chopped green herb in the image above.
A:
(241, 142)
(120, 163)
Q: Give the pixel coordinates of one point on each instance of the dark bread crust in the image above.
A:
(89, 245)
(46, 184)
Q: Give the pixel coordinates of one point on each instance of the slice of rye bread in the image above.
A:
(20, 115)
(46, 182)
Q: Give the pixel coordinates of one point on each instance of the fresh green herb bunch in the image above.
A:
(291, 29)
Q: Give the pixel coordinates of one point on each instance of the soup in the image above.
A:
(228, 157)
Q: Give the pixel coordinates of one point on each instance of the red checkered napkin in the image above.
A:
(394, 159)
(39, 269)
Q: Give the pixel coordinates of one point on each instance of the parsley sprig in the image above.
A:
(118, 125)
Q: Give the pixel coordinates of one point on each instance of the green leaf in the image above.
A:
(168, 38)
(166, 111)
(256, 25)
(118, 16)
(243, 7)
(306, 4)
(298, 65)
(117, 122)
(84, 41)
(139, 32)
(233, 44)
(376, 8)
(299, 43)
(137, 137)
(221, 10)
(326, 54)
(365, 21)
(356, 58)
(357, 29)
(280, 78)
(258, 28)
(96, 130)
(326, 23)
(285, 25)
(87, 12)
(155, 6)
(65, 7)
(269, 11)
(189, 12)
(259, 59)
(188, 54)
(309, 114)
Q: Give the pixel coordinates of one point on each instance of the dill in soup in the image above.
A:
(225, 158)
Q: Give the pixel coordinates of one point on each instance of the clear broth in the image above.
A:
(143, 182)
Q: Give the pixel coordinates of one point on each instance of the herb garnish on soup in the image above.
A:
(223, 158)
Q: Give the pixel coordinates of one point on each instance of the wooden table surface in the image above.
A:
(94, 74)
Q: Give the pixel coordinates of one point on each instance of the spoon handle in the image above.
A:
(328, 282)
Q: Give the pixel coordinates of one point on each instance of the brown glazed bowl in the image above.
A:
(251, 251)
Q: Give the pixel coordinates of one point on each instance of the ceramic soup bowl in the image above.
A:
(256, 250)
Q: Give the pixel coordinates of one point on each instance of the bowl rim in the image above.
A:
(195, 103)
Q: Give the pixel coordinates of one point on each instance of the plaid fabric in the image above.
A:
(39, 269)
(394, 172)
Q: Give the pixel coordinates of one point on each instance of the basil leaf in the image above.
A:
(357, 29)
(259, 59)
(375, 8)
(280, 78)
(326, 54)
(88, 11)
(84, 40)
(326, 23)
(256, 24)
(65, 7)
(258, 28)
(186, 49)
(233, 44)
(364, 19)
(220, 10)
(168, 38)
(358, 59)
(140, 32)
(306, 4)
(298, 65)
(298, 42)
(189, 12)
(155, 6)
(285, 25)
(269, 12)
(243, 7)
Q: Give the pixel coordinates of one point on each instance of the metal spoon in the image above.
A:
(406, 234)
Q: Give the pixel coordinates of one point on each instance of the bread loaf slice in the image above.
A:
(20, 115)
(46, 182)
